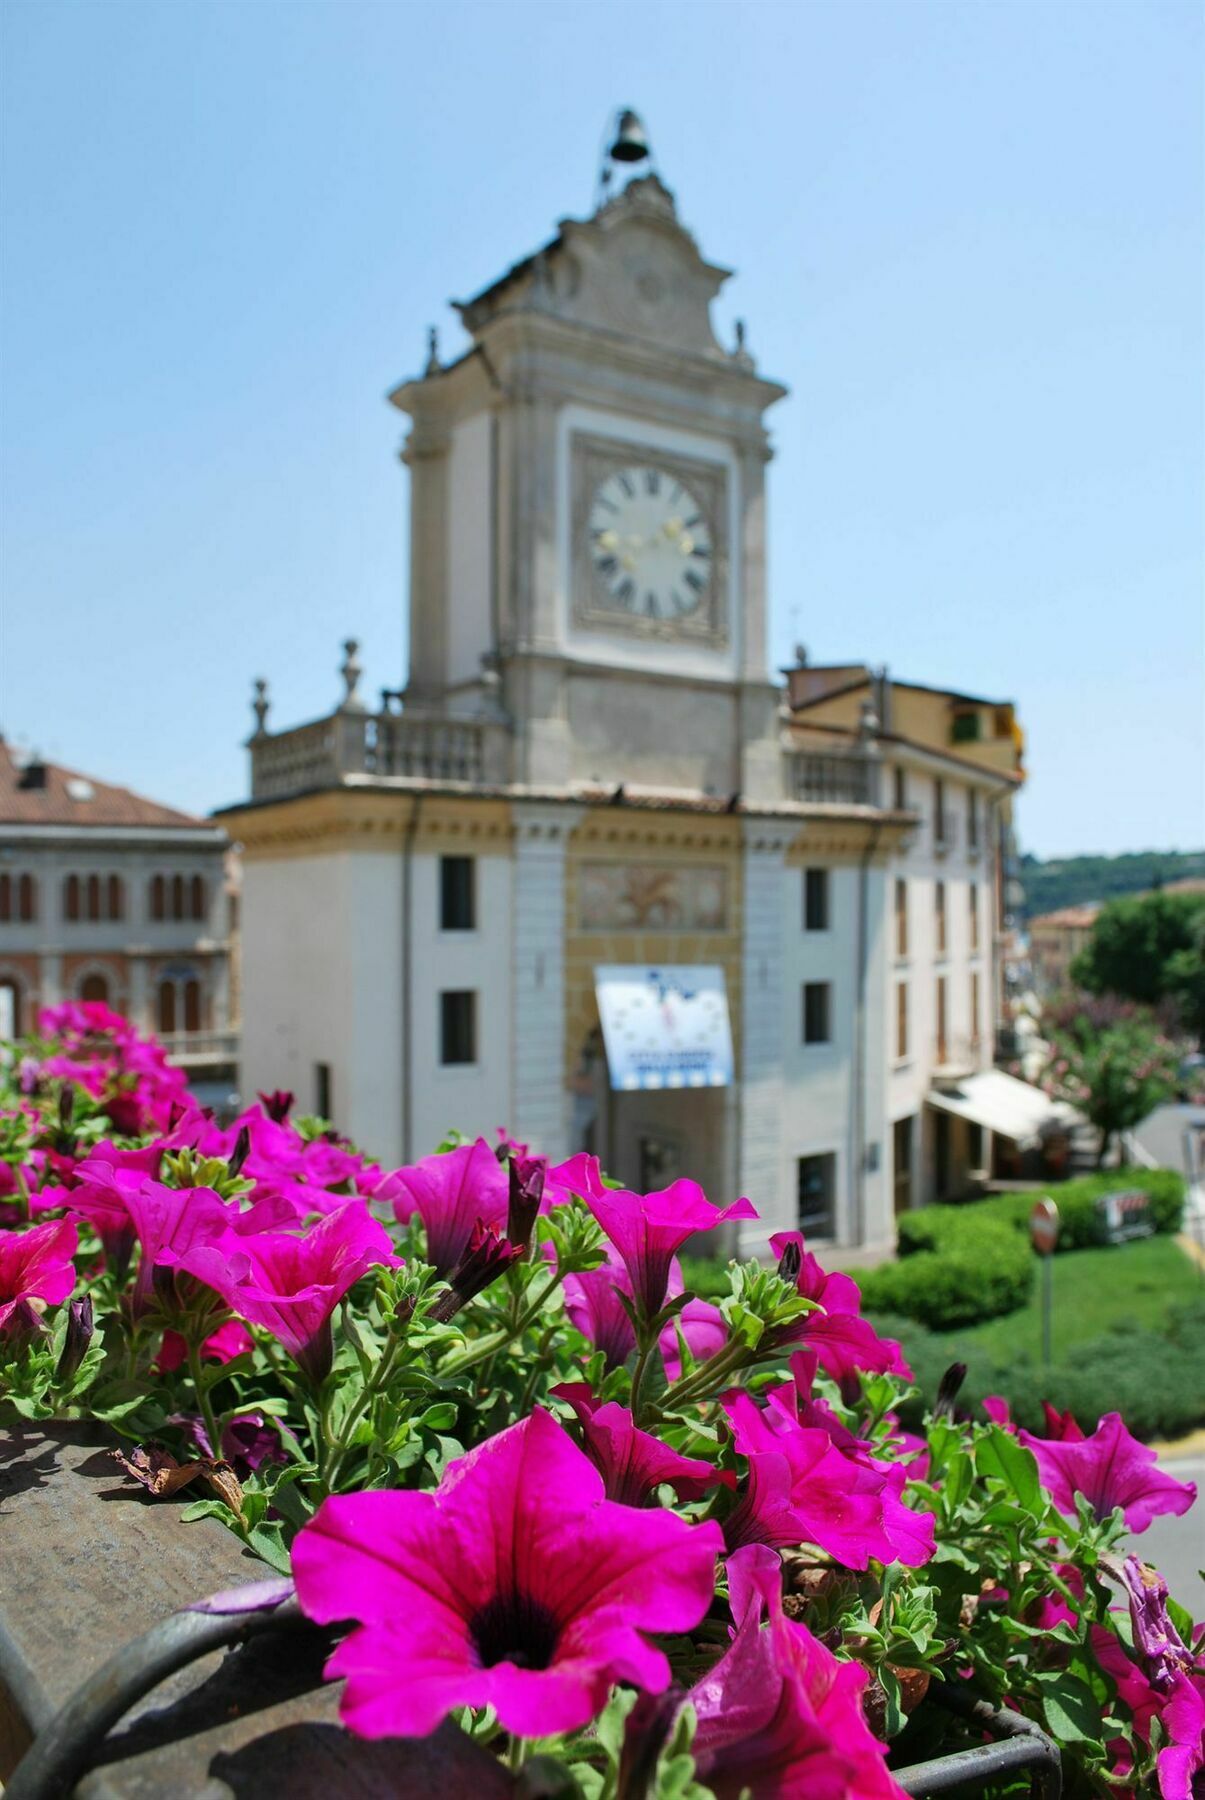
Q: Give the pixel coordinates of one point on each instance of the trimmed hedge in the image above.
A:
(939, 1228)
(1155, 1380)
(973, 1268)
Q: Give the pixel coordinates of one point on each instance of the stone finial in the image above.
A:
(868, 721)
(434, 365)
(259, 707)
(801, 655)
(740, 353)
(351, 670)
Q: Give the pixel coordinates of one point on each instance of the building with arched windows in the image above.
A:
(105, 895)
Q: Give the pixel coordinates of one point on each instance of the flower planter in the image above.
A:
(233, 1705)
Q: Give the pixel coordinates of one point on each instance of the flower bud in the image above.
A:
(79, 1336)
(238, 1156)
(947, 1390)
(486, 1256)
(277, 1105)
(790, 1263)
(527, 1176)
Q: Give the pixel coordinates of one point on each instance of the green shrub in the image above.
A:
(1156, 1381)
(977, 1271)
(706, 1276)
(1080, 1226)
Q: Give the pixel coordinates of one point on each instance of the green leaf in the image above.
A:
(1070, 1708)
(267, 1541)
(999, 1454)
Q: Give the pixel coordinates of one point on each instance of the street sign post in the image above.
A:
(1044, 1235)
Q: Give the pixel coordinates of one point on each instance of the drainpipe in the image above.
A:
(416, 806)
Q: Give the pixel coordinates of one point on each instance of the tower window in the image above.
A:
(457, 893)
(815, 899)
(457, 1026)
(817, 1009)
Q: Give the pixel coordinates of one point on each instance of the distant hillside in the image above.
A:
(1071, 880)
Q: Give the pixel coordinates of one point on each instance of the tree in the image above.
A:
(1149, 948)
(1111, 1061)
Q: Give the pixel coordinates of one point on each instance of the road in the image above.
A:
(1162, 1135)
(1177, 1546)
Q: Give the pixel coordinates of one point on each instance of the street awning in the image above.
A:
(999, 1102)
(665, 1026)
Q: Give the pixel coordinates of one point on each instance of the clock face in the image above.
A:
(649, 543)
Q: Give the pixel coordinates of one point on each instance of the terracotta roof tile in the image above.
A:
(65, 797)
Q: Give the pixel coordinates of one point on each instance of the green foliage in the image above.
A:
(1080, 1223)
(706, 1276)
(1072, 880)
(1149, 948)
(977, 1268)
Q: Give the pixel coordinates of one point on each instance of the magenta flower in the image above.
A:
(1180, 1763)
(450, 1192)
(999, 1412)
(1109, 1469)
(248, 1440)
(803, 1487)
(632, 1463)
(515, 1585)
(844, 1343)
(231, 1339)
(702, 1326)
(35, 1265)
(1165, 1655)
(486, 1256)
(779, 1716)
(594, 1308)
(1062, 1425)
(291, 1285)
(167, 1222)
(648, 1230)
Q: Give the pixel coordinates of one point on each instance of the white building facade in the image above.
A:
(591, 770)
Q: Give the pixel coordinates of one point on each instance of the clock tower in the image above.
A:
(588, 517)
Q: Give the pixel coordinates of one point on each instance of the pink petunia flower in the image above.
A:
(1109, 1469)
(999, 1411)
(35, 1265)
(845, 1343)
(632, 1463)
(779, 1716)
(291, 1284)
(223, 1345)
(649, 1229)
(1180, 1763)
(703, 1328)
(168, 1222)
(1063, 1426)
(515, 1585)
(450, 1192)
(594, 1308)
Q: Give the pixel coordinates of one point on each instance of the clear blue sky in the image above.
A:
(969, 237)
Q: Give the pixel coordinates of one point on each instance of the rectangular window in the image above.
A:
(817, 1182)
(322, 1090)
(974, 1007)
(939, 910)
(965, 726)
(901, 918)
(457, 893)
(901, 789)
(973, 904)
(815, 899)
(939, 811)
(942, 1042)
(972, 819)
(458, 1026)
(816, 1010)
(901, 1020)
(901, 1161)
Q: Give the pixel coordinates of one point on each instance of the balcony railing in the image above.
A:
(945, 833)
(389, 743)
(834, 780)
(190, 1049)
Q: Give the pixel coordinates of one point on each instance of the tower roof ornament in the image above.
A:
(259, 706)
(351, 670)
(434, 366)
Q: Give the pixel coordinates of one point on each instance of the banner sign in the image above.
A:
(1124, 1215)
(666, 1026)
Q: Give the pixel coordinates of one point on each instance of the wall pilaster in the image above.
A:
(539, 1100)
(761, 1073)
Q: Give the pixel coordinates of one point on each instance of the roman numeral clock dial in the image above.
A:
(650, 544)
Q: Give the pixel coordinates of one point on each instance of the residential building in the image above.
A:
(1055, 940)
(105, 895)
(595, 875)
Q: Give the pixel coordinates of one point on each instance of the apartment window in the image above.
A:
(322, 1090)
(198, 897)
(10, 1009)
(6, 899)
(167, 1007)
(816, 1181)
(177, 896)
(458, 1026)
(901, 789)
(815, 899)
(901, 918)
(816, 1012)
(71, 898)
(94, 987)
(95, 910)
(901, 1020)
(974, 1006)
(939, 910)
(116, 897)
(973, 904)
(457, 893)
(964, 728)
(180, 1004)
(972, 819)
(158, 897)
(939, 811)
(901, 1163)
(942, 1043)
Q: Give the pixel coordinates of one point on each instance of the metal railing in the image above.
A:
(828, 779)
(201, 1046)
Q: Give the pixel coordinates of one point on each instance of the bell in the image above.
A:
(631, 145)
